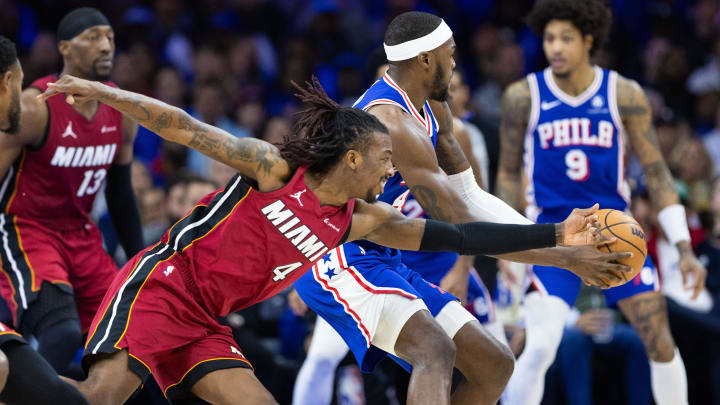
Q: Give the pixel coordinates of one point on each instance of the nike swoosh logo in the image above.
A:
(546, 106)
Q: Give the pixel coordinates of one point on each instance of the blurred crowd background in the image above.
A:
(230, 63)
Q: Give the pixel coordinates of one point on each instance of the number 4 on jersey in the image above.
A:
(282, 271)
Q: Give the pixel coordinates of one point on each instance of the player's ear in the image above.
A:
(588, 41)
(64, 48)
(353, 159)
(6, 81)
(425, 60)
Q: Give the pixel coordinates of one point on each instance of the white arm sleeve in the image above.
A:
(483, 205)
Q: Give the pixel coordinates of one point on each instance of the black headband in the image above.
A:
(78, 21)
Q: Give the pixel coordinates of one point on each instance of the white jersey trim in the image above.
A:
(574, 101)
(414, 112)
(622, 187)
(118, 297)
(531, 210)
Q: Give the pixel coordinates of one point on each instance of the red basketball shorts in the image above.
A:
(75, 261)
(151, 310)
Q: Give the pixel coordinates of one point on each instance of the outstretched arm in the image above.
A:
(594, 267)
(380, 223)
(637, 120)
(251, 157)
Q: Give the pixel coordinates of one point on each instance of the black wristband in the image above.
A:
(486, 238)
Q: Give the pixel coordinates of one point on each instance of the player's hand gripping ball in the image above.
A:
(629, 237)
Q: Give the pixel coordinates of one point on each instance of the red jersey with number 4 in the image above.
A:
(240, 246)
(56, 183)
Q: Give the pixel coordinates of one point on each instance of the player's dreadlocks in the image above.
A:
(589, 16)
(325, 131)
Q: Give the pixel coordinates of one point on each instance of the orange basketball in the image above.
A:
(629, 236)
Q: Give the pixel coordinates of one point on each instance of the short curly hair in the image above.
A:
(591, 17)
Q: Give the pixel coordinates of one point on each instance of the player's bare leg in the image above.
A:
(232, 386)
(647, 312)
(4, 370)
(110, 381)
(424, 344)
(486, 363)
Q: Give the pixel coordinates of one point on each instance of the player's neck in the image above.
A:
(414, 88)
(328, 189)
(574, 83)
(88, 108)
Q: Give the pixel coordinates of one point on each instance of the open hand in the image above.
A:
(693, 272)
(595, 267)
(76, 90)
(582, 228)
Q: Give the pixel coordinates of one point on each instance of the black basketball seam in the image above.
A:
(626, 241)
(617, 223)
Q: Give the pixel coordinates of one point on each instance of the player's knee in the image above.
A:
(67, 394)
(4, 370)
(435, 350)
(661, 349)
(64, 335)
(504, 360)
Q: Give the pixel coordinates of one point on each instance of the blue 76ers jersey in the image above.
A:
(574, 148)
(386, 91)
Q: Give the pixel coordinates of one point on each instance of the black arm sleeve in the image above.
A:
(485, 238)
(123, 209)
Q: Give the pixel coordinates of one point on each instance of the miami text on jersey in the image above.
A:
(300, 236)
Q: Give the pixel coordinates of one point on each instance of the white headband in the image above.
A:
(412, 48)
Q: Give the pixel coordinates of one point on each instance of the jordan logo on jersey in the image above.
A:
(575, 131)
(300, 236)
(69, 131)
(297, 196)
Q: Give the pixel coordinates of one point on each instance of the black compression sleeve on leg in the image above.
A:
(32, 381)
(485, 238)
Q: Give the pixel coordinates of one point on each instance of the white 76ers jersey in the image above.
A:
(574, 148)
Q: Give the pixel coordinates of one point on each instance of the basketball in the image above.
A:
(629, 236)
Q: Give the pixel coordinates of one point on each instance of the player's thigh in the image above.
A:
(110, 380)
(4, 370)
(232, 386)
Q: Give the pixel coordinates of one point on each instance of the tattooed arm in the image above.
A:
(420, 167)
(637, 119)
(251, 157)
(515, 113)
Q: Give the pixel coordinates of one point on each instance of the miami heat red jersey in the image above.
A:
(56, 184)
(242, 246)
